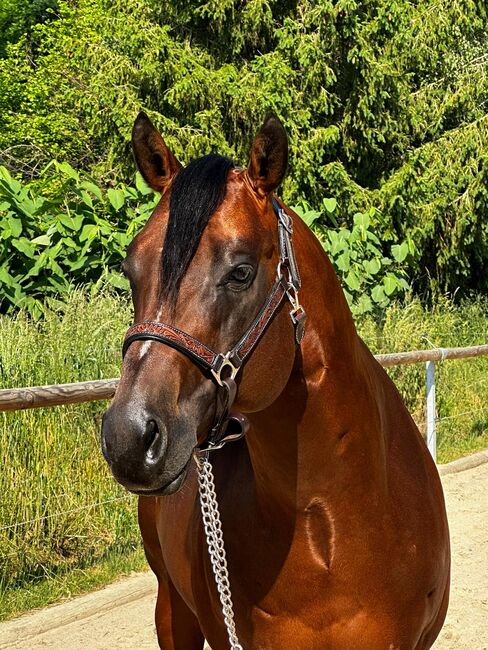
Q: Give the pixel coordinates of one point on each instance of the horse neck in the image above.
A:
(330, 400)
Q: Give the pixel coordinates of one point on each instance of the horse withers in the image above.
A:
(331, 506)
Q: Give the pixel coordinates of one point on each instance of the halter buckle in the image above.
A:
(222, 361)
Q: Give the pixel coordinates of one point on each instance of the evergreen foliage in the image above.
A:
(385, 104)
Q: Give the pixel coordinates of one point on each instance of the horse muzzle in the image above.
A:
(136, 446)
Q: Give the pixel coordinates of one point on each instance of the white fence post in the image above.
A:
(431, 432)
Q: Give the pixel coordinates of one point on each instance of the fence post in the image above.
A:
(431, 432)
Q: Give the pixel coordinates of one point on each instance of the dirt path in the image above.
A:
(119, 617)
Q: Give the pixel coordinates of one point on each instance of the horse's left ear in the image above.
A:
(269, 156)
(155, 161)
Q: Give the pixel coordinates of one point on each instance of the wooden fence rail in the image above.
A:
(16, 399)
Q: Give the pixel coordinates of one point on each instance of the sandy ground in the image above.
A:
(119, 617)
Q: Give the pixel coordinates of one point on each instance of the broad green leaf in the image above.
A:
(54, 266)
(11, 184)
(377, 294)
(105, 227)
(142, 187)
(38, 265)
(87, 199)
(371, 236)
(15, 226)
(343, 262)
(390, 284)
(311, 216)
(42, 240)
(72, 222)
(131, 193)
(6, 278)
(69, 243)
(68, 171)
(349, 297)
(330, 204)
(88, 232)
(362, 220)
(94, 189)
(78, 264)
(116, 198)
(24, 246)
(372, 266)
(335, 243)
(373, 250)
(352, 281)
(59, 286)
(400, 251)
(118, 281)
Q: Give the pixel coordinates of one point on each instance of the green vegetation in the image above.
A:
(460, 385)
(66, 526)
(384, 102)
(54, 475)
(72, 581)
(79, 232)
(76, 234)
(372, 272)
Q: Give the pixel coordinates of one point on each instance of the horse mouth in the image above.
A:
(170, 487)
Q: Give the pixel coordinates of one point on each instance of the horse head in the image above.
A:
(204, 264)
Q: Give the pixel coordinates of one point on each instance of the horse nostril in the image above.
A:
(151, 434)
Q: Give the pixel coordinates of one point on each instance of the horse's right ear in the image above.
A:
(155, 161)
(269, 156)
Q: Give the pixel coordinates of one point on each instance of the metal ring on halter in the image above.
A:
(223, 361)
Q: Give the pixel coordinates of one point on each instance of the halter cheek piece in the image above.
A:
(223, 368)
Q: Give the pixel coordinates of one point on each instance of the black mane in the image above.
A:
(197, 192)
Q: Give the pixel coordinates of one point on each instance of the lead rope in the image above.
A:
(215, 543)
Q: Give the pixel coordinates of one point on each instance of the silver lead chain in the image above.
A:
(215, 543)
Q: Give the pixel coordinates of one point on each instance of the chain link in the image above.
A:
(215, 543)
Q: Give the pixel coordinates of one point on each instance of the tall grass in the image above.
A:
(61, 514)
(462, 409)
(59, 506)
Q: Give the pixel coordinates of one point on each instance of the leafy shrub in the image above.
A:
(370, 277)
(79, 235)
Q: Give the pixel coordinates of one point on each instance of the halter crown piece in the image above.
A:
(222, 368)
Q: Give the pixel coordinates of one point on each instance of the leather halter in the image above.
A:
(222, 368)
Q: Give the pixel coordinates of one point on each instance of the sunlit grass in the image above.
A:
(461, 385)
(60, 509)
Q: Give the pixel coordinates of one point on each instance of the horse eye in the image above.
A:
(239, 277)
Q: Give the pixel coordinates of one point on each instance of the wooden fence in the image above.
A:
(15, 399)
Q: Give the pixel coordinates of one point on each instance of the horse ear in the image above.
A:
(269, 156)
(155, 161)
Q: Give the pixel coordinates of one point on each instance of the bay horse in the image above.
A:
(332, 509)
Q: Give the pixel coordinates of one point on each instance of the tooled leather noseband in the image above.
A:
(223, 368)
